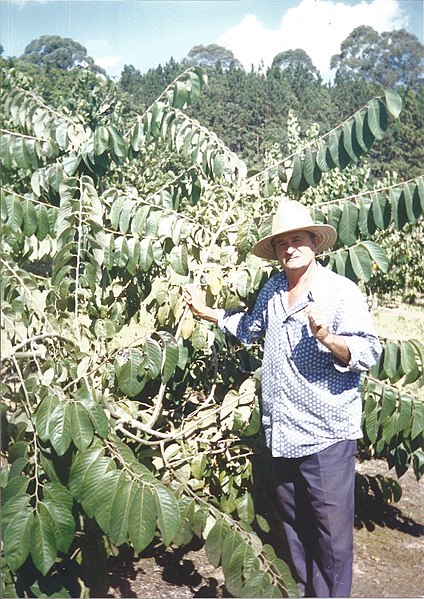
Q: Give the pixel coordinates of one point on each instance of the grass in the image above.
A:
(400, 322)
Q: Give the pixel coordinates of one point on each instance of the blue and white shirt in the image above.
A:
(309, 399)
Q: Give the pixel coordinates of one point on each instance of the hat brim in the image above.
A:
(328, 235)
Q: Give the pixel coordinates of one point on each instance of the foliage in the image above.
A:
(392, 58)
(209, 56)
(123, 418)
(55, 52)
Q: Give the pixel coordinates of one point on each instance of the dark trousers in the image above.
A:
(316, 497)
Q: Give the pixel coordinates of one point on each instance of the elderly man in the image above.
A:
(319, 337)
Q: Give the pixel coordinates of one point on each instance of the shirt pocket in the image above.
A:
(310, 356)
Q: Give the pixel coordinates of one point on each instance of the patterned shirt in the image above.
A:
(309, 399)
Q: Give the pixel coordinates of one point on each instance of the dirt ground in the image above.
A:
(389, 554)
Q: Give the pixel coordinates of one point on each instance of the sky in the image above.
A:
(146, 33)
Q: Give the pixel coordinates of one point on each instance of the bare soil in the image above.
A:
(389, 554)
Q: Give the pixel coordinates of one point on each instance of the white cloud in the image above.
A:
(102, 53)
(316, 26)
(108, 62)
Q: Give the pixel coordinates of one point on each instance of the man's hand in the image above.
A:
(317, 321)
(193, 298)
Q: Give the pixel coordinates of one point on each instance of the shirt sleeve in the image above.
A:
(244, 326)
(354, 323)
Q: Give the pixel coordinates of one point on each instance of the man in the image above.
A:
(319, 337)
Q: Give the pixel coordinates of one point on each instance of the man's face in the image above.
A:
(295, 249)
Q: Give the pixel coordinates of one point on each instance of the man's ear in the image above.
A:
(317, 239)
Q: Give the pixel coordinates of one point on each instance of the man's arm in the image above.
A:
(319, 328)
(193, 299)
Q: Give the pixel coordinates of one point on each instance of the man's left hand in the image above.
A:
(317, 321)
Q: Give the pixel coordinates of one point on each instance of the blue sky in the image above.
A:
(146, 33)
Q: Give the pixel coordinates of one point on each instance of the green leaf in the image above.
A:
(146, 254)
(130, 375)
(154, 358)
(59, 494)
(168, 513)
(417, 419)
(381, 211)
(117, 144)
(408, 357)
(79, 467)
(388, 404)
(296, 177)
(142, 518)
(15, 486)
(362, 131)
(170, 355)
(311, 171)
(323, 158)
(377, 253)
(43, 415)
(361, 262)
(245, 508)
(178, 259)
(63, 524)
(334, 214)
(30, 219)
(11, 508)
(198, 465)
(81, 426)
(60, 427)
(393, 102)
(371, 426)
(391, 359)
(121, 511)
(16, 539)
(90, 484)
(377, 118)
(348, 223)
(101, 140)
(106, 492)
(350, 142)
(404, 420)
(400, 216)
(215, 541)
(43, 545)
(256, 584)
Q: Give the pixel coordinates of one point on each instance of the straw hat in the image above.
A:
(293, 216)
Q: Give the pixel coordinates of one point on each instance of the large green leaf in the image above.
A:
(381, 211)
(82, 428)
(178, 259)
(16, 539)
(120, 513)
(348, 223)
(60, 427)
(43, 415)
(90, 483)
(11, 508)
(79, 467)
(130, 375)
(43, 544)
(361, 262)
(106, 492)
(391, 360)
(377, 118)
(168, 513)
(142, 518)
(393, 102)
(377, 254)
(388, 404)
(63, 524)
(170, 355)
